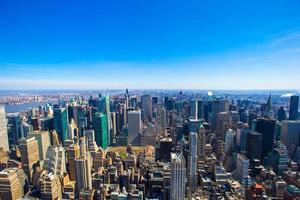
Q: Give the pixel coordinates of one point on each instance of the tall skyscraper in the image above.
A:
(43, 139)
(200, 106)
(163, 120)
(146, 106)
(194, 109)
(178, 174)
(100, 127)
(12, 182)
(90, 141)
(254, 145)
(72, 154)
(134, 127)
(266, 127)
(218, 106)
(223, 124)
(193, 159)
(14, 123)
(281, 114)
(29, 150)
(83, 166)
(61, 123)
(3, 129)
(229, 140)
(241, 172)
(104, 107)
(241, 138)
(201, 147)
(294, 104)
(290, 134)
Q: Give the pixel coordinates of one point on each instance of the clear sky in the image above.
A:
(195, 44)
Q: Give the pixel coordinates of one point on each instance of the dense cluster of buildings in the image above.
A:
(152, 146)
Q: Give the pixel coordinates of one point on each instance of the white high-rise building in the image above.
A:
(134, 127)
(3, 130)
(83, 166)
(178, 174)
(201, 147)
(90, 141)
(229, 140)
(192, 173)
(194, 109)
(55, 161)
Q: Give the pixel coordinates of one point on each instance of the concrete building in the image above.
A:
(55, 161)
(193, 159)
(50, 187)
(29, 150)
(12, 182)
(178, 175)
(134, 127)
(72, 154)
(290, 134)
(43, 139)
(3, 129)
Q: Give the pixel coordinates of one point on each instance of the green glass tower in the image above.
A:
(100, 127)
(61, 123)
(104, 107)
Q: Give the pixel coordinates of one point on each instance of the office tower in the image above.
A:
(194, 125)
(192, 160)
(235, 117)
(12, 182)
(100, 127)
(201, 147)
(43, 139)
(178, 174)
(72, 154)
(29, 150)
(83, 166)
(267, 128)
(163, 120)
(90, 141)
(50, 187)
(290, 134)
(61, 123)
(220, 174)
(165, 149)
(114, 127)
(294, 104)
(134, 127)
(241, 138)
(14, 123)
(104, 107)
(218, 106)
(3, 130)
(194, 109)
(26, 129)
(55, 161)
(200, 112)
(229, 141)
(281, 115)
(241, 173)
(223, 124)
(72, 130)
(278, 158)
(267, 108)
(254, 145)
(146, 107)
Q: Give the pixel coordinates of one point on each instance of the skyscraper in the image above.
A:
(163, 120)
(223, 124)
(61, 123)
(192, 162)
(178, 174)
(83, 165)
(281, 114)
(29, 150)
(266, 127)
(218, 106)
(294, 104)
(194, 109)
(146, 106)
(104, 107)
(229, 140)
(134, 127)
(3, 130)
(43, 139)
(201, 147)
(290, 134)
(50, 187)
(254, 145)
(14, 123)
(12, 183)
(72, 154)
(100, 127)
(55, 161)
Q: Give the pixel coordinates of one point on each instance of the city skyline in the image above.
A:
(163, 45)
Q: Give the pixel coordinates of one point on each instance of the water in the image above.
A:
(25, 106)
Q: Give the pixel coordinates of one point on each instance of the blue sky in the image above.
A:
(196, 44)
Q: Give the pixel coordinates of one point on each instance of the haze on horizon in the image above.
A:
(150, 44)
